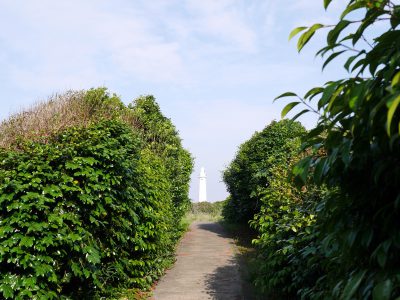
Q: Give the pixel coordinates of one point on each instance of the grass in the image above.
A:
(204, 211)
(46, 119)
(201, 216)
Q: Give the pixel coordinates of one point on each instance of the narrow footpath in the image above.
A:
(206, 267)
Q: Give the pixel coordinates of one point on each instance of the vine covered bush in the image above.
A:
(282, 215)
(287, 257)
(162, 138)
(336, 236)
(86, 206)
(251, 170)
(356, 153)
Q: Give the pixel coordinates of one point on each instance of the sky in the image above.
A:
(214, 66)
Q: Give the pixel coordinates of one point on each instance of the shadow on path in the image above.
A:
(216, 285)
(215, 228)
(207, 267)
(243, 236)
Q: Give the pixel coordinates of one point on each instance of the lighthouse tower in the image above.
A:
(203, 186)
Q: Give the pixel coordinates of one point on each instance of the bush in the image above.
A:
(287, 258)
(356, 154)
(282, 215)
(162, 138)
(85, 209)
(250, 171)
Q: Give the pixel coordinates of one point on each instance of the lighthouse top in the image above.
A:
(202, 173)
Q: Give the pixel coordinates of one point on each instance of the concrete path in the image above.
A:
(206, 267)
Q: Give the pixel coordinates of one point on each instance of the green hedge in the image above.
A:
(162, 138)
(287, 257)
(283, 216)
(89, 210)
(250, 171)
(337, 236)
(355, 152)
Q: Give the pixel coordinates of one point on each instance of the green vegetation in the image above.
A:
(336, 236)
(88, 204)
(248, 174)
(280, 214)
(204, 211)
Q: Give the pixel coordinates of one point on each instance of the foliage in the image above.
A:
(213, 208)
(62, 111)
(204, 211)
(356, 152)
(162, 138)
(88, 209)
(286, 252)
(250, 171)
(284, 220)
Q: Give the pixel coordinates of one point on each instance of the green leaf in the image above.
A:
(315, 132)
(392, 109)
(323, 51)
(295, 117)
(369, 19)
(331, 57)
(352, 285)
(301, 169)
(76, 269)
(360, 63)
(381, 256)
(319, 170)
(26, 241)
(7, 291)
(335, 32)
(351, 8)
(92, 255)
(327, 94)
(326, 3)
(72, 166)
(306, 36)
(288, 108)
(313, 92)
(383, 290)
(351, 59)
(296, 31)
(395, 19)
(287, 94)
(396, 79)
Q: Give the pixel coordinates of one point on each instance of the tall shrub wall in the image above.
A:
(87, 209)
(249, 173)
(162, 138)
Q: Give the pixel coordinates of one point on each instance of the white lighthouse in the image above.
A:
(202, 186)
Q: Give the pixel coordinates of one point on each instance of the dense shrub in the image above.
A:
(162, 138)
(358, 134)
(342, 243)
(251, 170)
(86, 208)
(282, 215)
(357, 154)
(287, 258)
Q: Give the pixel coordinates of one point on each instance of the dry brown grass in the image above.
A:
(45, 119)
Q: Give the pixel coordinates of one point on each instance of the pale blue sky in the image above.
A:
(213, 65)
